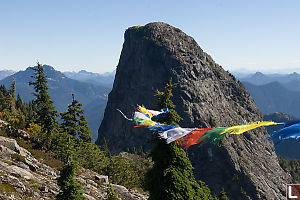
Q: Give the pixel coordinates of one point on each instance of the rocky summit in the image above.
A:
(206, 95)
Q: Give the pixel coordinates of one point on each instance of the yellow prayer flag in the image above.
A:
(247, 127)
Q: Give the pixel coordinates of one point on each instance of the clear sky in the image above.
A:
(72, 35)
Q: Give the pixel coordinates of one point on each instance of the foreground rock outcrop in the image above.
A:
(23, 176)
(206, 95)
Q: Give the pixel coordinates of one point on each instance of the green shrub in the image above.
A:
(120, 172)
(16, 120)
(18, 157)
(34, 130)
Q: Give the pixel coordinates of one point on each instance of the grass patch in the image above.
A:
(7, 188)
(35, 185)
(24, 143)
(6, 161)
(2, 133)
(46, 158)
(40, 173)
(18, 157)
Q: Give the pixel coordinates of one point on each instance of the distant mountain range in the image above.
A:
(289, 81)
(106, 79)
(92, 96)
(274, 92)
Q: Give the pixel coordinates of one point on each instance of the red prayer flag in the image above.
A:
(191, 138)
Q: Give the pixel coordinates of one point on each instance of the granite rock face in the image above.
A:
(206, 95)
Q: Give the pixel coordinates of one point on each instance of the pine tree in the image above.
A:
(65, 147)
(171, 177)
(111, 195)
(70, 189)
(223, 195)
(12, 96)
(29, 110)
(105, 148)
(74, 122)
(19, 103)
(4, 98)
(45, 111)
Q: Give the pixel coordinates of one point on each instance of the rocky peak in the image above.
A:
(206, 95)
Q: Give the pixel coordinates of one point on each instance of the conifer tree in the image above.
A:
(111, 195)
(45, 111)
(3, 90)
(12, 96)
(105, 148)
(74, 122)
(171, 177)
(70, 189)
(29, 110)
(19, 103)
(4, 97)
(223, 195)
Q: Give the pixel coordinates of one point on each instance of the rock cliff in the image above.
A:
(246, 166)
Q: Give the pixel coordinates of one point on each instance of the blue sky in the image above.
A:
(88, 34)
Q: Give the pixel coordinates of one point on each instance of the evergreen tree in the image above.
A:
(111, 195)
(3, 90)
(64, 148)
(223, 195)
(4, 98)
(29, 110)
(171, 177)
(70, 189)
(105, 148)
(45, 111)
(74, 122)
(19, 103)
(12, 96)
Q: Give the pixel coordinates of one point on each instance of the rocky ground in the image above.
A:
(24, 177)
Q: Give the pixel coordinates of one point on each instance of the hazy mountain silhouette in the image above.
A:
(105, 79)
(274, 97)
(290, 81)
(6, 73)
